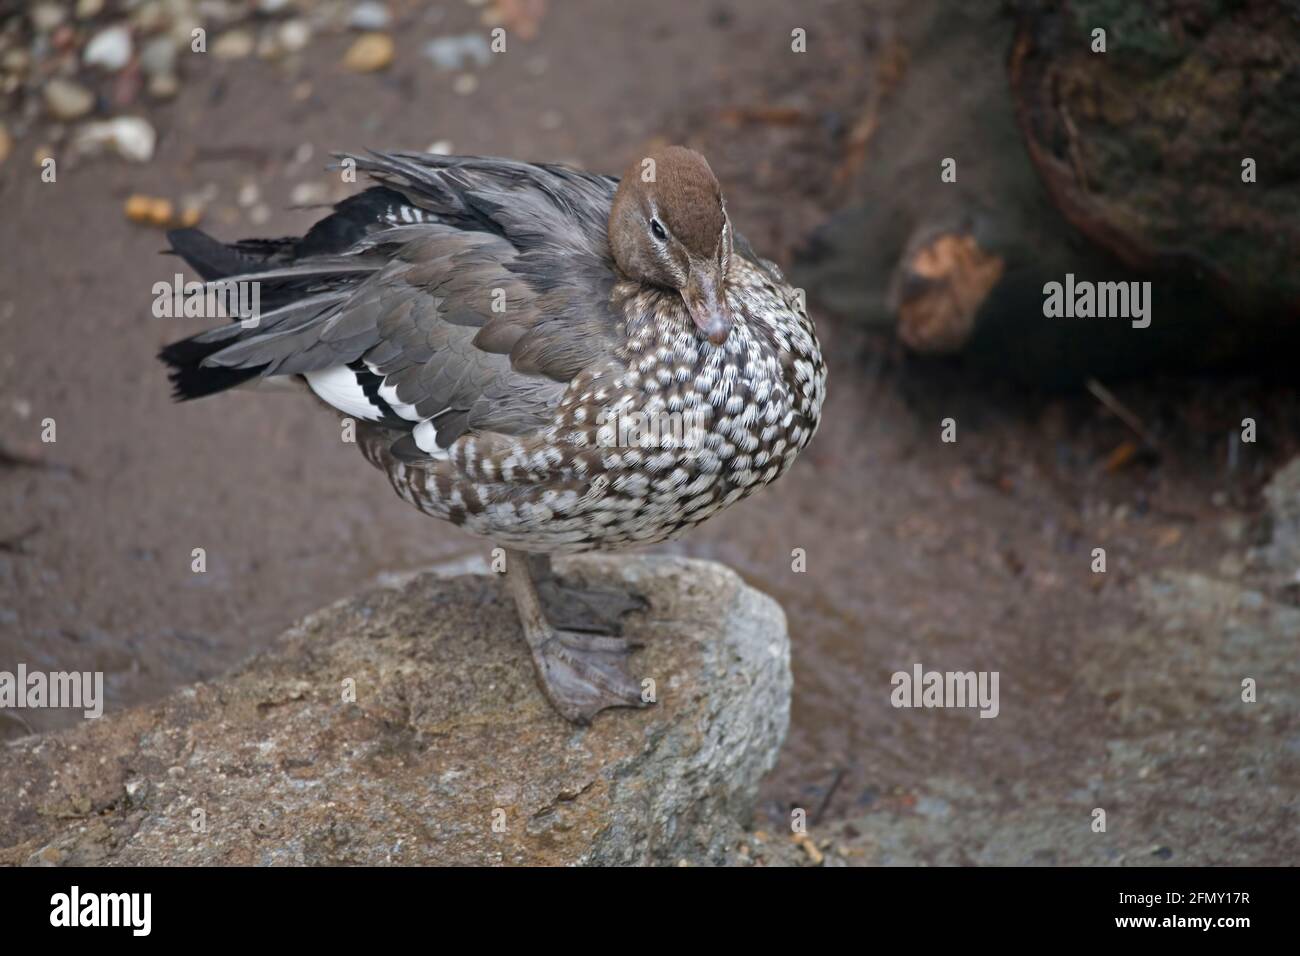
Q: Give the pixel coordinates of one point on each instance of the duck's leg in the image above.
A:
(592, 610)
(582, 674)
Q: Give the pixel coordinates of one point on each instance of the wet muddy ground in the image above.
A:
(973, 555)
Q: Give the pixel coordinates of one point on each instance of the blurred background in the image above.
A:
(1119, 689)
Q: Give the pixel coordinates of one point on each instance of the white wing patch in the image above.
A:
(426, 436)
(338, 386)
(389, 394)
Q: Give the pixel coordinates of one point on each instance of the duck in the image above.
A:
(558, 361)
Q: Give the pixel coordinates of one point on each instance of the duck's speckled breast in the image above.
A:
(666, 433)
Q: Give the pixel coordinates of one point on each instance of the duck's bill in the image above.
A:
(706, 301)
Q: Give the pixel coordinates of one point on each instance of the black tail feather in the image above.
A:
(212, 259)
(191, 379)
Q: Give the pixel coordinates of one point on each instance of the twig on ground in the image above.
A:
(826, 800)
(1122, 412)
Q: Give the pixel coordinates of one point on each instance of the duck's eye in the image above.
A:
(658, 230)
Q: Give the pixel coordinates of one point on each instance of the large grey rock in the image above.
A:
(448, 734)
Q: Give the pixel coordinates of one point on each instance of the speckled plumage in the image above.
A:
(566, 489)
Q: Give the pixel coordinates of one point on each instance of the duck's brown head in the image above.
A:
(668, 227)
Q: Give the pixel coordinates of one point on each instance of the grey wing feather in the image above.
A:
(479, 317)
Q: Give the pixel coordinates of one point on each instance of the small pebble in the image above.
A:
(369, 53)
(457, 52)
(295, 35)
(131, 137)
(814, 855)
(47, 16)
(149, 17)
(369, 16)
(149, 209)
(233, 45)
(16, 61)
(249, 195)
(164, 86)
(158, 57)
(110, 49)
(309, 194)
(465, 84)
(68, 100)
(259, 214)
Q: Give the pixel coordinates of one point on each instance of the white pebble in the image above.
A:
(295, 35)
(130, 136)
(309, 194)
(369, 16)
(110, 49)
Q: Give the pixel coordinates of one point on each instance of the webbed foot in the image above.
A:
(583, 674)
(581, 665)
